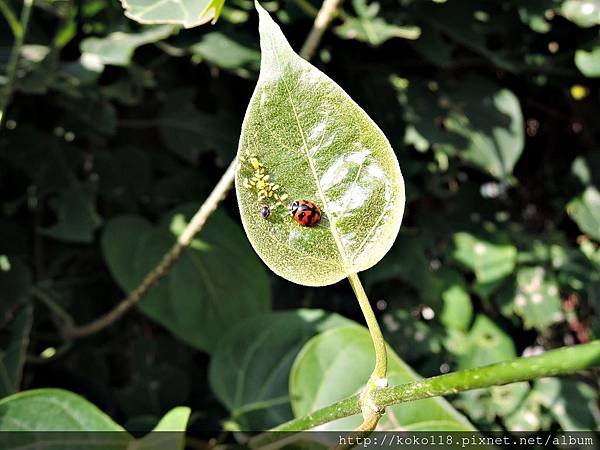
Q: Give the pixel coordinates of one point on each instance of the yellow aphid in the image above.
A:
(259, 182)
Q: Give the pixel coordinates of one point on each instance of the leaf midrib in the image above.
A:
(332, 222)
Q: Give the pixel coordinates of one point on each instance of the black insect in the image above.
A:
(265, 212)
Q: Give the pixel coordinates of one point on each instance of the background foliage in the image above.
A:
(118, 131)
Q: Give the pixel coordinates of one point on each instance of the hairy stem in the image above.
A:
(210, 205)
(380, 370)
(561, 361)
(19, 30)
(371, 410)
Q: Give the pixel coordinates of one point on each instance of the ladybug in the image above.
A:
(305, 212)
(265, 212)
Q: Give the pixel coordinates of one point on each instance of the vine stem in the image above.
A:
(197, 223)
(561, 361)
(19, 31)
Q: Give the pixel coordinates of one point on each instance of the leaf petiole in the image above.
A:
(370, 409)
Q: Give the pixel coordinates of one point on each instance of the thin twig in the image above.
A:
(320, 24)
(11, 68)
(208, 207)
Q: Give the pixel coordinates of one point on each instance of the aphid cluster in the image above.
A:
(260, 182)
(305, 212)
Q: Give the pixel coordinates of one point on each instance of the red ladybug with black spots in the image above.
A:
(305, 212)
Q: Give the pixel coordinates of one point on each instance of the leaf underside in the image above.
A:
(313, 142)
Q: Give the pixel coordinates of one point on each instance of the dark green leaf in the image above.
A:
(77, 218)
(200, 287)
(486, 344)
(190, 132)
(368, 27)
(15, 285)
(250, 368)
(12, 358)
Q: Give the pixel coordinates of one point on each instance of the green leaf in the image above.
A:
(15, 284)
(486, 344)
(305, 133)
(587, 169)
(476, 120)
(190, 132)
(158, 379)
(588, 63)
(12, 358)
(335, 364)
(458, 309)
(56, 410)
(250, 367)
(169, 433)
(124, 176)
(585, 13)
(199, 287)
(535, 13)
(117, 48)
(493, 124)
(89, 113)
(227, 52)
(491, 262)
(368, 27)
(77, 218)
(484, 405)
(537, 300)
(585, 211)
(572, 403)
(188, 13)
